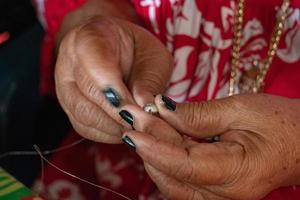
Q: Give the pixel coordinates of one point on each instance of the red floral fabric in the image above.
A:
(199, 35)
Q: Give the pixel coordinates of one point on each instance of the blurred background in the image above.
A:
(25, 116)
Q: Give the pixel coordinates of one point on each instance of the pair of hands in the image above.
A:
(107, 65)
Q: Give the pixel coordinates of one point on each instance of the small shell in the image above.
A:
(151, 108)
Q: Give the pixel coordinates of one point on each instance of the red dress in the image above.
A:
(199, 35)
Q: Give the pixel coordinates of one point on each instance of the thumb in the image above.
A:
(198, 119)
(152, 68)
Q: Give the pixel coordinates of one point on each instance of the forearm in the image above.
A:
(115, 8)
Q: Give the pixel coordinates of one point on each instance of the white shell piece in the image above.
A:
(151, 108)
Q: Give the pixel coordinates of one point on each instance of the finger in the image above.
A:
(172, 188)
(93, 133)
(150, 124)
(199, 119)
(152, 68)
(101, 70)
(90, 120)
(193, 163)
(175, 189)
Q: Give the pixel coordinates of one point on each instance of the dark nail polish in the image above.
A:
(112, 96)
(128, 141)
(126, 116)
(169, 103)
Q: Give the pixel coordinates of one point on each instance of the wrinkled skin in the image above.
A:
(258, 151)
(107, 52)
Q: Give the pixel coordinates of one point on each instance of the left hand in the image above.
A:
(258, 152)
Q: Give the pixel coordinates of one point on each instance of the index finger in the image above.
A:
(99, 69)
(192, 162)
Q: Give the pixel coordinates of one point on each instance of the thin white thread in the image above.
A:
(42, 154)
(46, 152)
(42, 173)
(76, 177)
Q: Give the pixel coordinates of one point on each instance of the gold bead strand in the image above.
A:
(275, 39)
(273, 47)
(236, 44)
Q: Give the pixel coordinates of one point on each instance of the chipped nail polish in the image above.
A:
(128, 141)
(169, 103)
(112, 96)
(126, 116)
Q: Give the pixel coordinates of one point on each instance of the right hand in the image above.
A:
(108, 54)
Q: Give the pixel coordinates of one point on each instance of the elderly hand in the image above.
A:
(103, 64)
(258, 150)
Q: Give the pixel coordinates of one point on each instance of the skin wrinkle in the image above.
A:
(192, 195)
(85, 115)
(78, 120)
(78, 126)
(154, 176)
(125, 61)
(157, 141)
(191, 119)
(231, 182)
(198, 191)
(117, 133)
(185, 171)
(148, 77)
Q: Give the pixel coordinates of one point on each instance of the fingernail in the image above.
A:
(128, 141)
(112, 96)
(169, 103)
(126, 116)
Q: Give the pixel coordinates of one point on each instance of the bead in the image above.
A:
(151, 108)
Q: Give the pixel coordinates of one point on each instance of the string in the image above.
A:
(42, 155)
(78, 178)
(46, 152)
(42, 173)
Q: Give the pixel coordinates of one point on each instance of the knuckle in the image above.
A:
(87, 85)
(152, 126)
(237, 102)
(185, 170)
(193, 114)
(92, 91)
(85, 113)
(152, 81)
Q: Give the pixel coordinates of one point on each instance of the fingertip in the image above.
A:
(128, 141)
(143, 97)
(140, 118)
(159, 103)
(136, 140)
(164, 109)
(127, 115)
(165, 103)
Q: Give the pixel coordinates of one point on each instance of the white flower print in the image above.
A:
(291, 53)
(57, 188)
(106, 173)
(152, 4)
